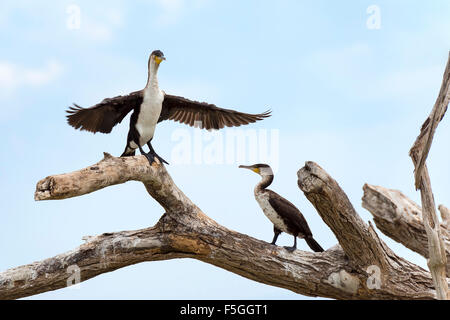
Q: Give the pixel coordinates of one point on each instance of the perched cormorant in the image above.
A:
(150, 106)
(283, 214)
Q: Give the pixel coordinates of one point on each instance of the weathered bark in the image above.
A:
(421, 148)
(358, 240)
(364, 269)
(400, 218)
(445, 215)
(437, 260)
(355, 237)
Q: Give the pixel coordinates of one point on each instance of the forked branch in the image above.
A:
(400, 218)
(437, 260)
(184, 231)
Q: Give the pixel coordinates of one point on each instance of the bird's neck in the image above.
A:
(152, 81)
(264, 183)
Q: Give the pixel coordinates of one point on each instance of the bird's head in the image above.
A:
(262, 169)
(156, 57)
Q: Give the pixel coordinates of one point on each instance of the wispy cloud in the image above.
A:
(407, 83)
(172, 10)
(13, 76)
(97, 26)
(92, 21)
(352, 71)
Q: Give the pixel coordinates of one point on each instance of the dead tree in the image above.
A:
(437, 258)
(361, 266)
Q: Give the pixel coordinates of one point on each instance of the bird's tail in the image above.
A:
(313, 244)
(128, 152)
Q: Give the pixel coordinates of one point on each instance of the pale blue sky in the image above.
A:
(346, 97)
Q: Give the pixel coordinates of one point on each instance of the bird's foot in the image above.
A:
(161, 159)
(151, 158)
(290, 249)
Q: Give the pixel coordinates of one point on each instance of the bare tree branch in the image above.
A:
(184, 231)
(419, 152)
(111, 171)
(445, 215)
(357, 239)
(421, 148)
(400, 218)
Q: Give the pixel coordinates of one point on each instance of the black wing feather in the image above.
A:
(289, 212)
(103, 116)
(211, 117)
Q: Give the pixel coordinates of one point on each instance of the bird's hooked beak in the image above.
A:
(254, 169)
(160, 59)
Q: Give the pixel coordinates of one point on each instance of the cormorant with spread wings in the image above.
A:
(151, 106)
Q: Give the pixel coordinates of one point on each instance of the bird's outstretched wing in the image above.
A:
(105, 115)
(290, 212)
(207, 116)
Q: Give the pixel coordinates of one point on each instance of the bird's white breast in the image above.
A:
(263, 200)
(149, 114)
